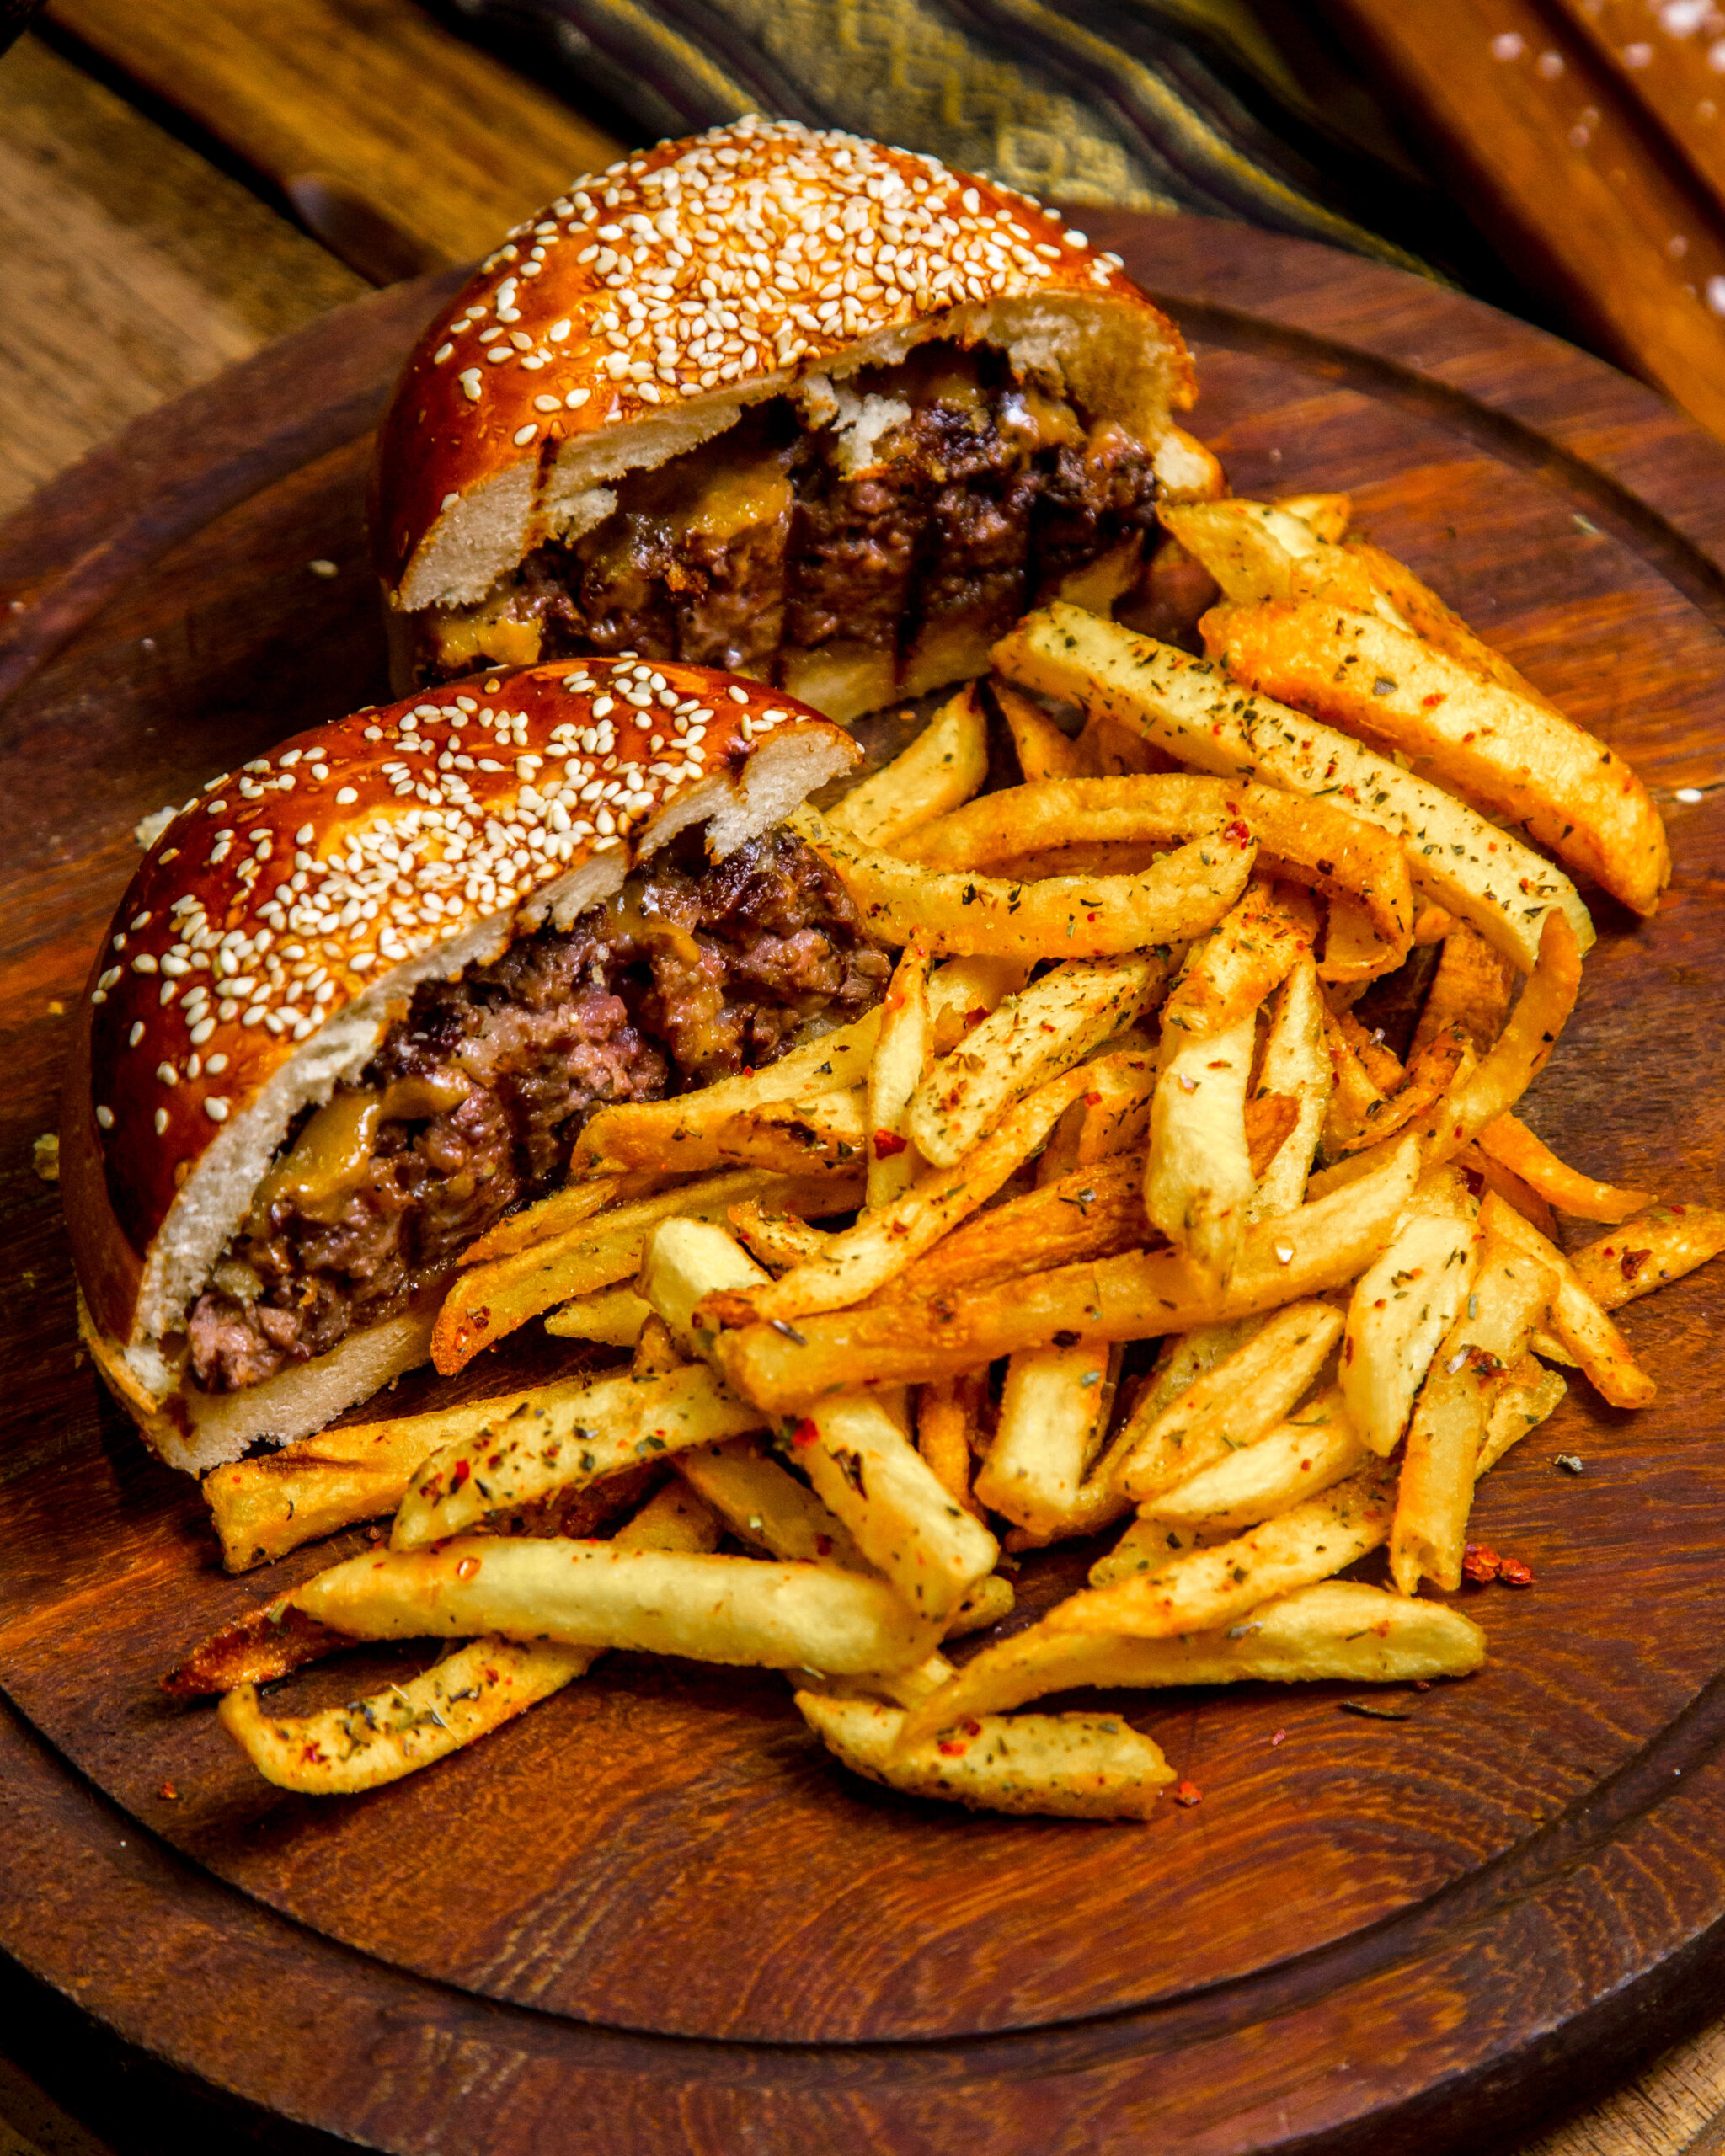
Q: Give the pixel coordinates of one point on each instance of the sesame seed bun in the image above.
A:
(754, 256)
(279, 925)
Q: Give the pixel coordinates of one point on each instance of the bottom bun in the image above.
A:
(196, 1430)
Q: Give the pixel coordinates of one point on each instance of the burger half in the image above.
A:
(362, 994)
(785, 403)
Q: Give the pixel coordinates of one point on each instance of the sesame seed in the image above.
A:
(215, 1107)
(105, 1118)
(160, 1121)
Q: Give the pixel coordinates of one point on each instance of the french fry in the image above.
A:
(913, 1340)
(678, 1133)
(1044, 751)
(1313, 842)
(1427, 615)
(760, 1504)
(1112, 1116)
(741, 1610)
(1470, 989)
(1294, 1063)
(1352, 1093)
(465, 1696)
(1199, 1183)
(777, 1240)
(263, 1507)
(656, 1353)
(990, 1601)
(266, 1642)
(1247, 957)
(1520, 756)
(1054, 1411)
(613, 1316)
(1511, 1295)
(947, 1431)
(553, 1216)
(943, 766)
(1029, 1040)
(1189, 705)
(1405, 1304)
(901, 1059)
(1259, 552)
(1658, 1246)
(1313, 1449)
(827, 1132)
(1327, 516)
(963, 992)
(1436, 1073)
(1067, 1766)
(860, 1260)
(1061, 917)
(542, 1452)
(862, 1467)
(1236, 1403)
(1529, 1394)
(1147, 1545)
(488, 1302)
(1205, 1589)
(1355, 952)
(1494, 1176)
(1336, 1629)
(1579, 1321)
(1514, 1146)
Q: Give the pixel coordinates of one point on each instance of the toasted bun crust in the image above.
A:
(642, 312)
(280, 924)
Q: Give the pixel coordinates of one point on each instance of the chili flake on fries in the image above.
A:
(892, 1298)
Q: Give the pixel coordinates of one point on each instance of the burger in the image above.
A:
(363, 992)
(784, 402)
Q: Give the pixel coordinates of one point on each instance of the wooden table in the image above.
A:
(138, 261)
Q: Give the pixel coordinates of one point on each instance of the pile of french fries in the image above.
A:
(885, 1298)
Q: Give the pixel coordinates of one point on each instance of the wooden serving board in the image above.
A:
(652, 1915)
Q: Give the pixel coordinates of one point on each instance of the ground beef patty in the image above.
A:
(939, 496)
(472, 1103)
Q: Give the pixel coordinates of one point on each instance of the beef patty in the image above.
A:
(473, 1101)
(894, 513)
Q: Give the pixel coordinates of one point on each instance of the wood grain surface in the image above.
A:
(1527, 112)
(652, 1904)
(399, 145)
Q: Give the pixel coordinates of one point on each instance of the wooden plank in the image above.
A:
(401, 145)
(1670, 61)
(1553, 162)
(132, 268)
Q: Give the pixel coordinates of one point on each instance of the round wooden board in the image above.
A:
(653, 1906)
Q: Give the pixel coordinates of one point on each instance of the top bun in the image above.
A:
(645, 309)
(279, 925)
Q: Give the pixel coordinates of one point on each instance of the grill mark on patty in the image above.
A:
(694, 972)
(968, 511)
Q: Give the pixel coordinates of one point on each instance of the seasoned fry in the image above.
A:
(760, 1504)
(1245, 959)
(1435, 1494)
(1029, 1040)
(1060, 917)
(777, 1240)
(1044, 751)
(1066, 1766)
(990, 1602)
(1258, 552)
(1656, 1246)
(1296, 1065)
(1436, 1073)
(914, 1340)
(963, 992)
(1199, 1183)
(1236, 1403)
(678, 1134)
(1336, 1628)
(1520, 756)
(948, 1432)
(860, 1260)
(1054, 1411)
(1403, 1306)
(1494, 1176)
(264, 1644)
(827, 1132)
(1204, 1589)
(943, 766)
(542, 1452)
(901, 1058)
(554, 1216)
(1576, 1319)
(470, 1692)
(1514, 1146)
(1111, 1117)
(710, 1609)
(1457, 859)
(1316, 1447)
(1470, 989)
(263, 1507)
(1528, 1395)
(613, 1316)
(1327, 516)
(1427, 615)
(1146, 1544)
(488, 1302)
